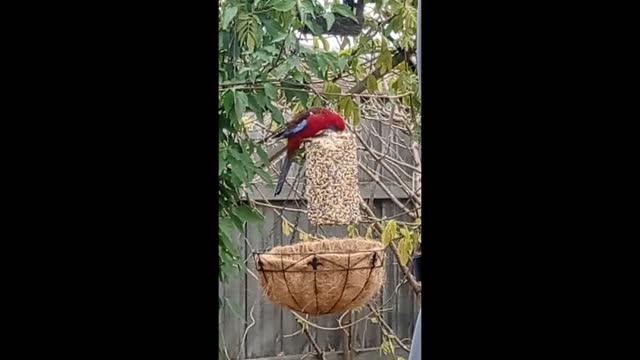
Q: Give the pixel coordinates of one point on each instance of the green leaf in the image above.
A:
(293, 62)
(264, 176)
(346, 105)
(389, 232)
(276, 114)
(369, 234)
(271, 91)
(299, 107)
(396, 24)
(263, 156)
(277, 37)
(227, 101)
(355, 115)
(395, 5)
(261, 98)
(342, 63)
(222, 164)
(228, 228)
(234, 179)
(343, 10)
(238, 222)
(286, 228)
(352, 231)
(325, 44)
(248, 214)
(354, 64)
(238, 171)
(308, 7)
(274, 30)
(330, 18)
(284, 5)
(405, 246)
(251, 41)
(240, 102)
(301, 94)
(228, 15)
(315, 28)
(372, 84)
(255, 107)
(316, 101)
(235, 152)
(271, 49)
(224, 38)
(404, 253)
(280, 71)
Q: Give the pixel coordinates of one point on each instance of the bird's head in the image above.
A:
(336, 122)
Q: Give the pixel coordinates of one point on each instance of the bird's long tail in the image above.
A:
(286, 165)
(274, 136)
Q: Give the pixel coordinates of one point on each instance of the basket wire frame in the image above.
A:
(375, 261)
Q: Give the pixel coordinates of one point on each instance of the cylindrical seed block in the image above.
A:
(332, 180)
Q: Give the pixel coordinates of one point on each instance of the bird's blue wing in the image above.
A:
(295, 129)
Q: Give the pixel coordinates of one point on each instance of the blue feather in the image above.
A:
(296, 129)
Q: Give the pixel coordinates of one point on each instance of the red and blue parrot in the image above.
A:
(307, 124)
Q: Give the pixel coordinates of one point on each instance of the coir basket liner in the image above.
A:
(322, 277)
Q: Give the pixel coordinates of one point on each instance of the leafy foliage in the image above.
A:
(408, 237)
(387, 347)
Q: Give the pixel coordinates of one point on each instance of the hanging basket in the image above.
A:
(322, 277)
(332, 191)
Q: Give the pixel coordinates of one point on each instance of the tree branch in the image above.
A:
(362, 85)
(389, 331)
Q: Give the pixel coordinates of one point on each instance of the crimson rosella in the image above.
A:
(305, 125)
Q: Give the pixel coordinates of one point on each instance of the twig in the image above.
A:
(390, 333)
(395, 292)
(383, 187)
(313, 342)
(278, 207)
(224, 344)
(327, 328)
(395, 161)
(400, 214)
(246, 331)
